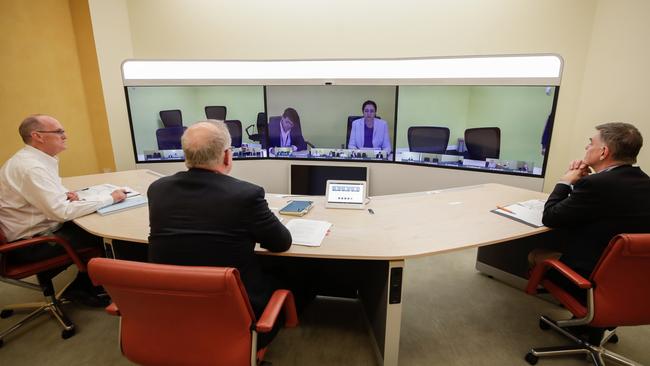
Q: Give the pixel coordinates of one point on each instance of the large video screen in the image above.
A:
(499, 128)
(495, 128)
(331, 122)
(160, 114)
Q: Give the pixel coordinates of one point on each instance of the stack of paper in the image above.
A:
(528, 212)
(308, 232)
(101, 191)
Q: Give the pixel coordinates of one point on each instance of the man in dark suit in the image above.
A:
(204, 217)
(593, 208)
(286, 132)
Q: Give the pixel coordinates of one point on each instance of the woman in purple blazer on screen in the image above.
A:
(369, 132)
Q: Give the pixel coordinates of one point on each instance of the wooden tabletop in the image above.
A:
(402, 226)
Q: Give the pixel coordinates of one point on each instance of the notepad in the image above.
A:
(308, 232)
(528, 212)
(128, 203)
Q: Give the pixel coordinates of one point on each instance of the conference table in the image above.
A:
(370, 246)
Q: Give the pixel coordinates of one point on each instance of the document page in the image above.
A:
(99, 192)
(529, 212)
(308, 232)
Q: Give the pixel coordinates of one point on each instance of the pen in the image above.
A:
(505, 209)
(371, 211)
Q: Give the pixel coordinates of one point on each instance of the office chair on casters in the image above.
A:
(217, 112)
(45, 271)
(258, 131)
(483, 143)
(618, 294)
(188, 315)
(428, 139)
(171, 118)
(235, 129)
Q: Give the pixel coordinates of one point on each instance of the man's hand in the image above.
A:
(577, 170)
(118, 195)
(72, 196)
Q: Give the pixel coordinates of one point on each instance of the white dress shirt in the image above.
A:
(32, 198)
(285, 137)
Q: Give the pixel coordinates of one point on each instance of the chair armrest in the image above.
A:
(112, 309)
(538, 274)
(7, 247)
(280, 299)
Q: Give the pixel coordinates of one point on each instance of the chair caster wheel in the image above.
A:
(531, 358)
(2, 342)
(67, 333)
(613, 339)
(543, 325)
(6, 313)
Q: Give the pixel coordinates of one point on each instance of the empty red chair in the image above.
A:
(186, 315)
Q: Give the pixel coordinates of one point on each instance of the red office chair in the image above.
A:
(44, 270)
(618, 294)
(173, 315)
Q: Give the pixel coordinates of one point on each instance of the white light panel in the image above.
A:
(548, 67)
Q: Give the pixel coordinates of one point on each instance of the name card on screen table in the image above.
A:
(527, 212)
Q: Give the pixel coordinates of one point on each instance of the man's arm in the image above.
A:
(298, 140)
(45, 193)
(566, 207)
(265, 226)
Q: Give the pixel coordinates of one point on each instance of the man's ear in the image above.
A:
(604, 153)
(227, 157)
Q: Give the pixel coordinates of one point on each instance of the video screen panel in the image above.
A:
(502, 129)
(322, 130)
(156, 135)
(496, 128)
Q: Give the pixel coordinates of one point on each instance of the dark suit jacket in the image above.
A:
(202, 218)
(599, 207)
(295, 134)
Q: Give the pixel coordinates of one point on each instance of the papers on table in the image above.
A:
(528, 212)
(99, 192)
(308, 232)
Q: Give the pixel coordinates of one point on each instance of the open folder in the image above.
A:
(528, 212)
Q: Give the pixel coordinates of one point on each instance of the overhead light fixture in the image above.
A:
(538, 69)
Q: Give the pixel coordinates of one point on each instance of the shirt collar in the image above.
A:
(41, 155)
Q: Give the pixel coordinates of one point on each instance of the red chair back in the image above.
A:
(622, 282)
(173, 315)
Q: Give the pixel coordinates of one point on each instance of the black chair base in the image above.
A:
(596, 352)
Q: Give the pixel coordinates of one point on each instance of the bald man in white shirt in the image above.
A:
(33, 202)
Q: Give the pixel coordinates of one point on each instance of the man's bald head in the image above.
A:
(30, 124)
(204, 144)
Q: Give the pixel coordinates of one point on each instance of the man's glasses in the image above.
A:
(58, 132)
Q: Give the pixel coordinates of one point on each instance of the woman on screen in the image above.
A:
(369, 132)
(286, 131)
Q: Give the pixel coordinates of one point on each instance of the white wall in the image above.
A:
(609, 32)
(617, 77)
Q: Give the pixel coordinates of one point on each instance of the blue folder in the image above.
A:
(124, 205)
